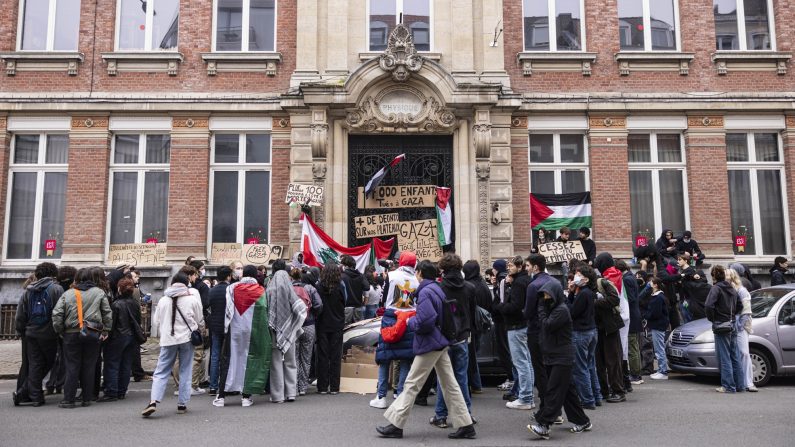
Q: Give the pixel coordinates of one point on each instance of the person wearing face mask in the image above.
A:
(666, 245)
(537, 266)
(688, 245)
(581, 307)
(657, 318)
(237, 271)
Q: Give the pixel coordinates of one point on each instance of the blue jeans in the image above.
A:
(658, 339)
(585, 362)
(520, 356)
(216, 345)
(731, 369)
(118, 356)
(369, 311)
(685, 311)
(459, 357)
(383, 377)
(165, 363)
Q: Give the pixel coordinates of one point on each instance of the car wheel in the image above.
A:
(761, 367)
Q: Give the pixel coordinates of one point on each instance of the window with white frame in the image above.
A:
(245, 25)
(558, 163)
(744, 25)
(561, 19)
(383, 15)
(657, 180)
(139, 188)
(37, 196)
(49, 25)
(241, 186)
(756, 192)
(147, 25)
(648, 25)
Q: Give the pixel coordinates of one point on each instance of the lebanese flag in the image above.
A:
(444, 216)
(319, 248)
(555, 211)
(376, 180)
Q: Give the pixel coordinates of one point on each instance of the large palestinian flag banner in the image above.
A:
(555, 211)
(319, 248)
(250, 347)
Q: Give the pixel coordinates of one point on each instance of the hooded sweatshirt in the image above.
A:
(556, 327)
(358, 285)
(607, 267)
(400, 291)
(482, 292)
(663, 243)
(455, 287)
(723, 303)
(190, 304)
(657, 314)
(24, 327)
(777, 276)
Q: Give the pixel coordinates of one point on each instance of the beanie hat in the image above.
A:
(500, 266)
(407, 259)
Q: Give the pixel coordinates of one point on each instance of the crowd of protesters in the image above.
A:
(566, 344)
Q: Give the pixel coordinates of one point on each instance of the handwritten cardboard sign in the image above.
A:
(137, 254)
(304, 194)
(421, 237)
(556, 252)
(255, 254)
(377, 225)
(405, 196)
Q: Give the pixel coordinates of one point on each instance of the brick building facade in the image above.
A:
(184, 120)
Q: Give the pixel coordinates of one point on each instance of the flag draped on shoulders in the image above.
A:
(555, 211)
(319, 248)
(246, 326)
(444, 215)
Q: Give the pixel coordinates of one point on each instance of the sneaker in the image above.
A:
(476, 391)
(559, 420)
(302, 393)
(616, 398)
(421, 401)
(542, 431)
(509, 397)
(506, 386)
(151, 408)
(67, 404)
(752, 389)
(379, 402)
(322, 392)
(659, 376)
(218, 402)
(721, 389)
(247, 402)
(334, 393)
(519, 405)
(182, 409)
(637, 380)
(466, 432)
(107, 398)
(581, 428)
(197, 391)
(439, 422)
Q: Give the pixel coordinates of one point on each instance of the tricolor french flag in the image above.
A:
(376, 180)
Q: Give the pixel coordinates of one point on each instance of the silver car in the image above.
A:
(691, 347)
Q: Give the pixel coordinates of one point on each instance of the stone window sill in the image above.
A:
(629, 61)
(41, 61)
(430, 55)
(234, 61)
(142, 61)
(726, 61)
(560, 61)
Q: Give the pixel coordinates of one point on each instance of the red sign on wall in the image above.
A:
(641, 241)
(50, 245)
(740, 242)
(252, 241)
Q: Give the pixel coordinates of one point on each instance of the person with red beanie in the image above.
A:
(402, 283)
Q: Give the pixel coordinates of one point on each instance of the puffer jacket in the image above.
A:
(96, 308)
(54, 292)
(403, 349)
(428, 321)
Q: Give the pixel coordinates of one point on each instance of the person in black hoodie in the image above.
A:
(588, 245)
(34, 324)
(635, 323)
(609, 352)
(723, 305)
(215, 323)
(666, 245)
(512, 309)
(328, 329)
(500, 334)
(121, 345)
(357, 284)
(689, 246)
(483, 300)
(537, 265)
(777, 272)
(558, 352)
(582, 294)
(657, 318)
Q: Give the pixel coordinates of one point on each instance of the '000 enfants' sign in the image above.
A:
(403, 196)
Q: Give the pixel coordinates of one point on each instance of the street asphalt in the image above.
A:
(683, 411)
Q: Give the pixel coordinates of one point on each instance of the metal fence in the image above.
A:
(8, 314)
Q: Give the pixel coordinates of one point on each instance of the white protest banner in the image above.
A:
(255, 254)
(226, 253)
(403, 196)
(377, 225)
(304, 194)
(421, 237)
(556, 252)
(137, 254)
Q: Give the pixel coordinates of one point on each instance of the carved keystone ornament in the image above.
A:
(400, 57)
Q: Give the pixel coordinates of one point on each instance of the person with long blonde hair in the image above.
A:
(743, 328)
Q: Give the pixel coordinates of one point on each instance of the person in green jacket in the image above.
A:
(81, 354)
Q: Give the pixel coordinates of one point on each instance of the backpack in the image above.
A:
(304, 295)
(452, 318)
(39, 307)
(606, 288)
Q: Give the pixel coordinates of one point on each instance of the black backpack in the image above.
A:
(450, 326)
(39, 307)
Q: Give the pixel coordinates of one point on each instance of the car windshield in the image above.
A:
(763, 300)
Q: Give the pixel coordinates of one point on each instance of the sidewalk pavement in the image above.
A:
(11, 357)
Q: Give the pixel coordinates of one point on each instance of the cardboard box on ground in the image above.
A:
(359, 371)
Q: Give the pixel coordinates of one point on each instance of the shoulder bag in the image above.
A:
(90, 331)
(196, 338)
(725, 327)
(137, 331)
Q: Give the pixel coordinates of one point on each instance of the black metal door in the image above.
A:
(429, 161)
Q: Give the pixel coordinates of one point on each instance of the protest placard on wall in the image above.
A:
(255, 254)
(404, 196)
(377, 225)
(556, 252)
(421, 237)
(137, 254)
(225, 254)
(304, 194)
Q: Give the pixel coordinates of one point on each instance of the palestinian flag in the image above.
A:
(376, 180)
(319, 248)
(444, 216)
(248, 336)
(555, 211)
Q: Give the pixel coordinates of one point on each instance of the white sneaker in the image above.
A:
(247, 402)
(519, 405)
(658, 376)
(505, 386)
(218, 402)
(197, 391)
(379, 402)
(752, 389)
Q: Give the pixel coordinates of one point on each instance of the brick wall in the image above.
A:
(280, 211)
(521, 190)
